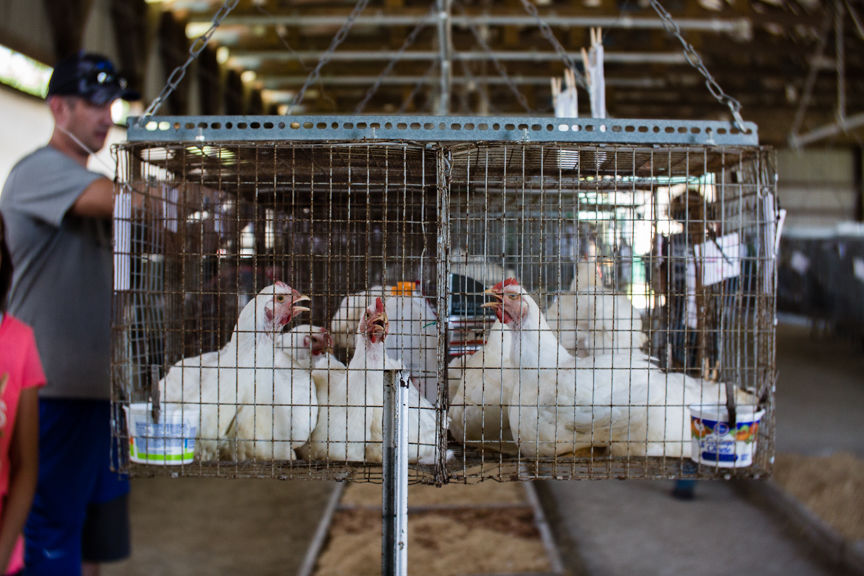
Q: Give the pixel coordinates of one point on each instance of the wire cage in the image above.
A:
(556, 307)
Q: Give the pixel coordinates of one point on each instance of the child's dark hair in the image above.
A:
(5, 266)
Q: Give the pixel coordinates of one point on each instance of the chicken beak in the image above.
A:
(379, 325)
(295, 307)
(499, 298)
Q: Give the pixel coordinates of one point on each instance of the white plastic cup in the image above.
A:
(171, 442)
(714, 443)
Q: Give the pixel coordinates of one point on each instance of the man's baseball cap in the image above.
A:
(91, 76)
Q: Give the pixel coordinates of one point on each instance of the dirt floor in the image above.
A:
(191, 526)
(466, 522)
(832, 487)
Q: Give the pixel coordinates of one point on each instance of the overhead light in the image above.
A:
(222, 54)
(248, 76)
(197, 29)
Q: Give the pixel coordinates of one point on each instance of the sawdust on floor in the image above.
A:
(498, 536)
(832, 487)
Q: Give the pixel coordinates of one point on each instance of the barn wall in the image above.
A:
(818, 187)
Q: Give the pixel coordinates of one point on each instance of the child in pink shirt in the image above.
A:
(21, 376)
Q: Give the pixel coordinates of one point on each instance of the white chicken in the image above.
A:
(560, 403)
(226, 385)
(413, 336)
(553, 409)
(350, 425)
(478, 400)
(310, 347)
(591, 318)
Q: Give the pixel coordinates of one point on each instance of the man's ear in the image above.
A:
(60, 106)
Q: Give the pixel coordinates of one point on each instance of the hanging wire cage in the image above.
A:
(640, 254)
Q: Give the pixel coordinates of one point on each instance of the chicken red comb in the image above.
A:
(379, 304)
(280, 284)
(508, 282)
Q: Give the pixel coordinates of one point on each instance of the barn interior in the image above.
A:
(222, 219)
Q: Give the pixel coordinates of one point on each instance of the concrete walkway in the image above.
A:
(635, 527)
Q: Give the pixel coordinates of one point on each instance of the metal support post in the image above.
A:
(394, 536)
(445, 55)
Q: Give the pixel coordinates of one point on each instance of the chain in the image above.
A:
(197, 47)
(412, 37)
(695, 61)
(502, 71)
(547, 33)
(325, 58)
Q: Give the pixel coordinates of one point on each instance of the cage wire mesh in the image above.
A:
(558, 307)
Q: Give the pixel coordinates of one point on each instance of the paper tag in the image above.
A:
(780, 220)
(122, 241)
(692, 317)
(719, 259)
(169, 207)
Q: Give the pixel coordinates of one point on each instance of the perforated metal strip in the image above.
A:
(439, 129)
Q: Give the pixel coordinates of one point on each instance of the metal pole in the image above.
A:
(740, 27)
(394, 510)
(445, 55)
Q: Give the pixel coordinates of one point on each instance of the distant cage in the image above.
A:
(653, 264)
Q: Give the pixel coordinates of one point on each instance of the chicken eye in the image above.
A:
(280, 298)
(513, 296)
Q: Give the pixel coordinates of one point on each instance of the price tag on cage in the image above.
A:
(169, 207)
(122, 241)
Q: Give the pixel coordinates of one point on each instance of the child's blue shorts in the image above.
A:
(80, 511)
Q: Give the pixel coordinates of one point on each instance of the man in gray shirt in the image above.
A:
(58, 217)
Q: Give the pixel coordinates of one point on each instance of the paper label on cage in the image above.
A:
(781, 218)
(690, 303)
(719, 259)
(858, 268)
(169, 208)
(122, 241)
(799, 262)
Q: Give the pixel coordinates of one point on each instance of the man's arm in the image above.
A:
(96, 201)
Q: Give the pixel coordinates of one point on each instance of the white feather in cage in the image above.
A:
(254, 401)
(351, 413)
(413, 332)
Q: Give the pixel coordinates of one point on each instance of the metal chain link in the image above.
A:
(502, 71)
(337, 40)
(194, 51)
(547, 33)
(695, 61)
(409, 40)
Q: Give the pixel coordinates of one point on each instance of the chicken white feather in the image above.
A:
(251, 395)
(562, 403)
(350, 425)
(478, 397)
(591, 318)
(413, 335)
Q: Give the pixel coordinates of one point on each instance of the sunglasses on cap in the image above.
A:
(91, 77)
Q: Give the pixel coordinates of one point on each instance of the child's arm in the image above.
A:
(23, 473)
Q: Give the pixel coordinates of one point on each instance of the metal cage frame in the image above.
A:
(439, 147)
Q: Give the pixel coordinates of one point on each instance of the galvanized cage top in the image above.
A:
(563, 303)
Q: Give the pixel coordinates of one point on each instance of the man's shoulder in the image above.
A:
(44, 157)
(36, 161)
